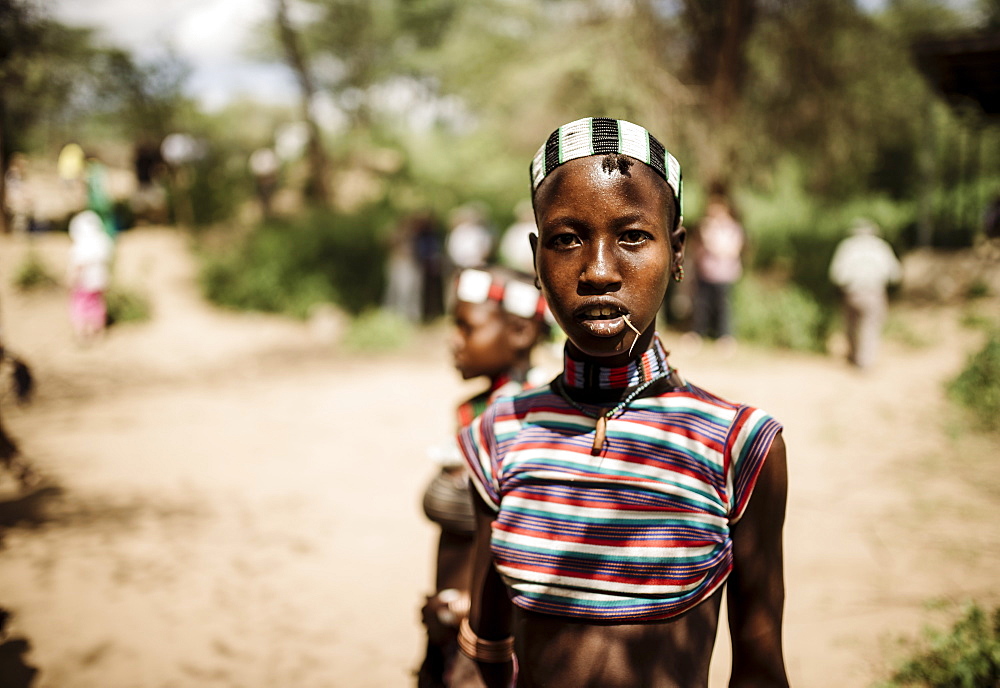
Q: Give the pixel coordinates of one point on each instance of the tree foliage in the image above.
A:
(40, 63)
(739, 90)
(357, 44)
(54, 77)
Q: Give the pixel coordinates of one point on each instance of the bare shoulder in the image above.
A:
(765, 512)
(774, 472)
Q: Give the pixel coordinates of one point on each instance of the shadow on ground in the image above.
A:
(25, 510)
(28, 509)
(14, 671)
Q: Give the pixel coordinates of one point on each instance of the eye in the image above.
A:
(634, 237)
(564, 241)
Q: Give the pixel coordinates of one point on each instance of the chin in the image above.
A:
(597, 347)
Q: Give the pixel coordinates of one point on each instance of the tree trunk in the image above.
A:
(317, 186)
(726, 86)
(4, 217)
(724, 29)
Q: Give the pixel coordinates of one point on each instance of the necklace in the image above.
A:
(600, 432)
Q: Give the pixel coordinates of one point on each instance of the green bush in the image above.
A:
(126, 306)
(966, 656)
(220, 181)
(378, 330)
(975, 320)
(209, 189)
(288, 266)
(33, 273)
(784, 316)
(977, 387)
(977, 289)
(794, 232)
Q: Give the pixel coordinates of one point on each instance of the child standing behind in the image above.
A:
(89, 274)
(499, 317)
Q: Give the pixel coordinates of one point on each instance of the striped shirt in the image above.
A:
(640, 532)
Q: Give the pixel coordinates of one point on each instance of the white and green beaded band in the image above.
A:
(605, 136)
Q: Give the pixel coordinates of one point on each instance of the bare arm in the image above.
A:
(756, 588)
(490, 614)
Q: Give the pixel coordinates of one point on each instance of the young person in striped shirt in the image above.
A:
(615, 503)
(499, 317)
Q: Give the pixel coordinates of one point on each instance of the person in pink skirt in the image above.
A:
(89, 274)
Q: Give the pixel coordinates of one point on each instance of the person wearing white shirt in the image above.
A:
(863, 266)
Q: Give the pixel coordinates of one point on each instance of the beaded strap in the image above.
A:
(600, 136)
(514, 296)
(584, 374)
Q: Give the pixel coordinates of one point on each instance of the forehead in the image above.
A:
(579, 185)
(477, 314)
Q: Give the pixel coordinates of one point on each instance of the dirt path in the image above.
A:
(240, 501)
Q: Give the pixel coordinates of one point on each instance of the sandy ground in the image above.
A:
(239, 500)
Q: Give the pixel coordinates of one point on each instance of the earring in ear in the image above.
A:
(538, 285)
(679, 273)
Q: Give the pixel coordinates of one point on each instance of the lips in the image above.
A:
(602, 319)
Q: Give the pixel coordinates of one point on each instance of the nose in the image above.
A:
(601, 274)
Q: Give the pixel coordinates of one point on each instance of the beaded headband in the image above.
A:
(518, 298)
(606, 136)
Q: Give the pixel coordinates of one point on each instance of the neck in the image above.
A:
(590, 375)
(623, 357)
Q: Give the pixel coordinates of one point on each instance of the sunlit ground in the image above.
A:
(240, 498)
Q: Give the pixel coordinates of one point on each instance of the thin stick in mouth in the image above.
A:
(637, 333)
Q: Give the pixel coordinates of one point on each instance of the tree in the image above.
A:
(734, 87)
(362, 43)
(146, 100)
(39, 62)
(56, 77)
(718, 61)
(317, 187)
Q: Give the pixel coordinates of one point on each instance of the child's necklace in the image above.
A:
(600, 432)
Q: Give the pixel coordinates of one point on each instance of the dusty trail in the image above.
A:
(241, 501)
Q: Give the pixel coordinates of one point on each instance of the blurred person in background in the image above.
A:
(863, 265)
(402, 290)
(99, 198)
(499, 317)
(515, 245)
(718, 247)
(429, 254)
(20, 204)
(470, 241)
(149, 200)
(991, 219)
(70, 164)
(89, 274)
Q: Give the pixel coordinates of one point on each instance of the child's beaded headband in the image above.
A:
(605, 136)
(518, 298)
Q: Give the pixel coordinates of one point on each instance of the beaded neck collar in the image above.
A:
(591, 376)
